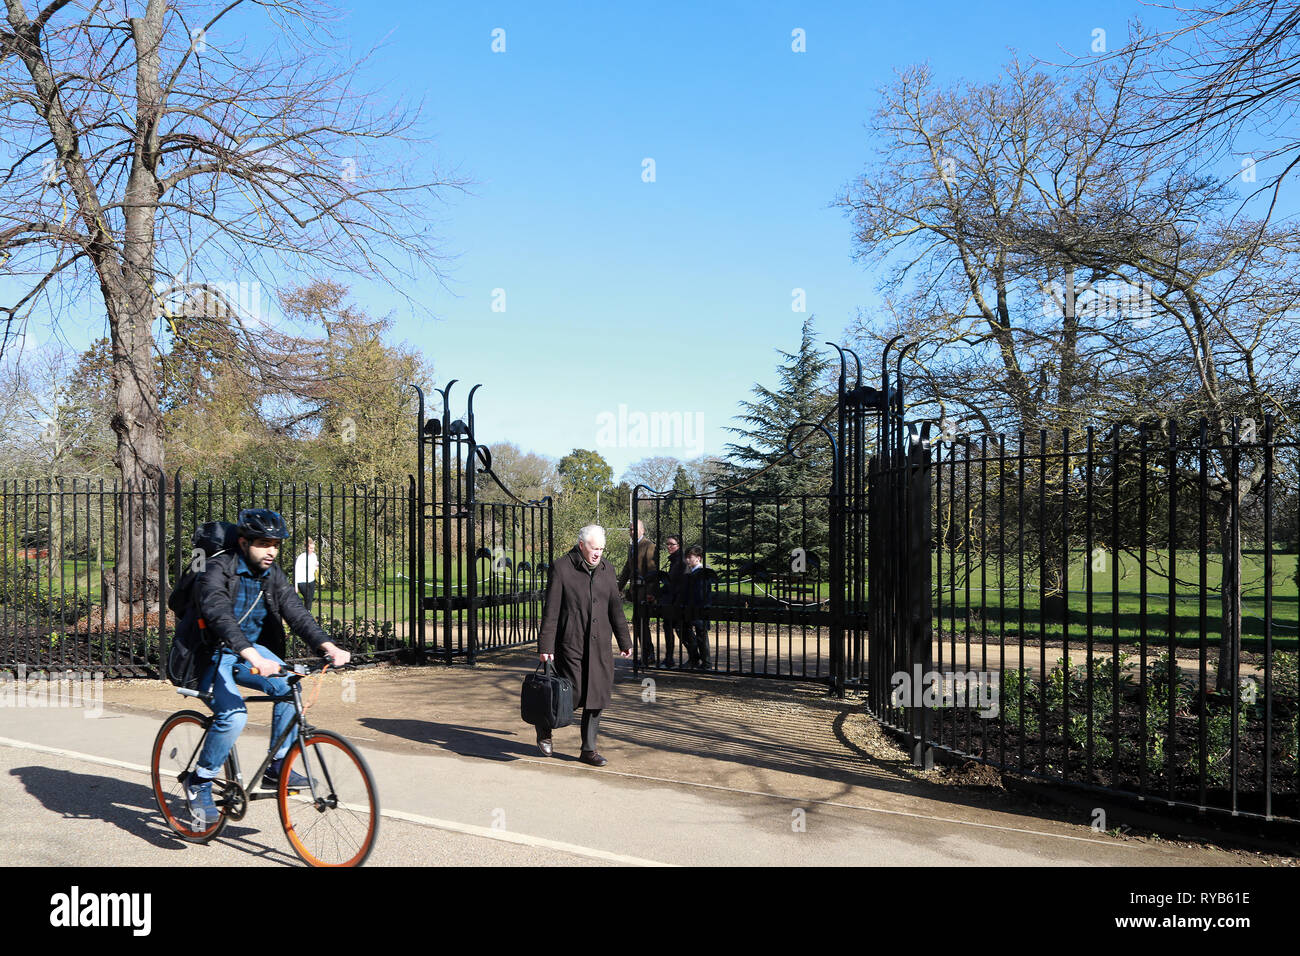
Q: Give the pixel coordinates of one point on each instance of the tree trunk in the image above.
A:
(131, 586)
(130, 301)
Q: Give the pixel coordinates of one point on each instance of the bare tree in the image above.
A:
(1228, 68)
(1055, 276)
(976, 204)
(52, 422)
(158, 149)
(655, 472)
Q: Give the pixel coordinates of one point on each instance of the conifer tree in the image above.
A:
(771, 502)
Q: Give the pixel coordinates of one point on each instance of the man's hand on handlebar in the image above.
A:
(338, 657)
(260, 665)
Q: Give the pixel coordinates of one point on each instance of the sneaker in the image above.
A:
(271, 779)
(203, 812)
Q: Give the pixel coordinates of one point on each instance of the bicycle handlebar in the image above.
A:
(306, 670)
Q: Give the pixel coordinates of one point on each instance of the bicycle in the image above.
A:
(333, 821)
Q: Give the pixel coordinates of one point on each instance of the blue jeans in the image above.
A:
(229, 670)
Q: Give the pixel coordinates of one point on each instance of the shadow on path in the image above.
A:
(129, 807)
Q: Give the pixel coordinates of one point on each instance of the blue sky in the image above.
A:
(672, 295)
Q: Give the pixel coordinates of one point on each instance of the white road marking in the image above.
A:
(74, 755)
(503, 836)
(602, 854)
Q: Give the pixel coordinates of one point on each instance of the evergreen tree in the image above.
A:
(784, 504)
(582, 473)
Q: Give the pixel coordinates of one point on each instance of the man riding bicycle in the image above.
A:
(242, 597)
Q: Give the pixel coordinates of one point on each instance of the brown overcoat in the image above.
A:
(583, 611)
(641, 560)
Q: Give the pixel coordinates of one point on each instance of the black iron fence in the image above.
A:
(61, 556)
(1110, 610)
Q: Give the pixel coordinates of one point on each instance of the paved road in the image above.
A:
(75, 790)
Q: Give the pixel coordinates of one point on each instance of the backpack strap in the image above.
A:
(260, 592)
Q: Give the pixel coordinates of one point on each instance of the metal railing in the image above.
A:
(77, 592)
(1071, 635)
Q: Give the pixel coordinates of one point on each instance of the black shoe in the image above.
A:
(593, 758)
(669, 663)
(545, 747)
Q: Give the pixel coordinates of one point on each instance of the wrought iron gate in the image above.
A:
(479, 568)
(788, 572)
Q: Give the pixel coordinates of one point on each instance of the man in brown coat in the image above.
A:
(641, 571)
(584, 609)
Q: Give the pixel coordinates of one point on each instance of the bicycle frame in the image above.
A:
(298, 725)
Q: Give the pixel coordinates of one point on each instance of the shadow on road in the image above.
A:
(129, 807)
(491, 743)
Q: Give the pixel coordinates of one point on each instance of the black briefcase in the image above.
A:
(547, 698)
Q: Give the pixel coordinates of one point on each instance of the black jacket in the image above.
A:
(672, 579)
(217, 588)
(697, 591)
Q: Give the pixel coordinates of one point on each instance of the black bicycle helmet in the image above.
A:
(257, 523)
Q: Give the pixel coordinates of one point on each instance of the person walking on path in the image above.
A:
(583, 611)
(305, 570)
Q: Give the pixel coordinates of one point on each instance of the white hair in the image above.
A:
(590, 532)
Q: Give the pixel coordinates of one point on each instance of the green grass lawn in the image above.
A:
(1000, 598)
(995, 599)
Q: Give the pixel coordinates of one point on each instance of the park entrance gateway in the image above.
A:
(1037, 565)
(478, 569)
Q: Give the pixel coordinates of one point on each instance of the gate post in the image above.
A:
(443, 526)
(634, 590)
(162, 572)
(469, 548)
(920, 623)
(838, 561)
(414, 577)
(415, 555)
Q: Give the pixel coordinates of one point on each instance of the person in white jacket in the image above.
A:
(304, 573)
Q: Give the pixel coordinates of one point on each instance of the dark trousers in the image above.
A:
(677, 629)
(641, 625)
(700, 632)
(307, 591)
(590, 728)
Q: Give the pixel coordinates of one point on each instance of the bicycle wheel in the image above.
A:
(336, 823)
(175, 752)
